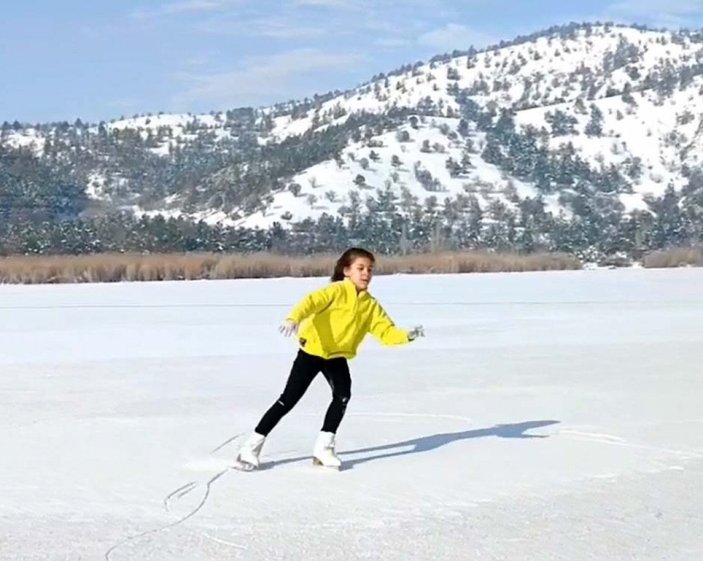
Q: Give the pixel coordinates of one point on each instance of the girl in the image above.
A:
(330, 323)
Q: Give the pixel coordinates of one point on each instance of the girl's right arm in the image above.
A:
(313, 303)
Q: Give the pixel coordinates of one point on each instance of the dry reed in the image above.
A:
(137, 267)
(676, 257)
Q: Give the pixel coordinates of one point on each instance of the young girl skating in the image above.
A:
(331, 323)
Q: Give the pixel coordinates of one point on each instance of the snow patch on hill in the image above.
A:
(396, 161)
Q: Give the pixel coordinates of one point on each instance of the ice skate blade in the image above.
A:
(318, 463)
(242, 466)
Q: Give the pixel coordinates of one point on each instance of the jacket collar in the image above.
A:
(351, 289)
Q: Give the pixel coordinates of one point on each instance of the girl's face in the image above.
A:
(360, 272)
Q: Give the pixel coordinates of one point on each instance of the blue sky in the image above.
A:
(103, 59)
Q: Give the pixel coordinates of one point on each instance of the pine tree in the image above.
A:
(594, 127)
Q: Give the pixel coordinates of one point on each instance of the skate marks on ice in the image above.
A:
(226, 442)
(609, 439)
(212, 463)
(395, 449)
(175, 523)
(180, 492)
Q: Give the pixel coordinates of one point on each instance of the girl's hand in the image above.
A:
(415, 332)
(288, 328)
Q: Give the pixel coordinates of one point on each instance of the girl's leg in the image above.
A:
(305, 368)
(336, 372)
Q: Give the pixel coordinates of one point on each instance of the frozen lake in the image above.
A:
(545, 416)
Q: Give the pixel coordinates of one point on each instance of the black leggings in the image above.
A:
(305, 368)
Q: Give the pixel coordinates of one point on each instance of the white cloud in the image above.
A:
(201, 59)
(344, 4)
(175, 8)
(282, 30)
(273, 28)
(190, 6)
(658, 12)
(125, 104)
(454, 36)
(262, 80)
(392, 42)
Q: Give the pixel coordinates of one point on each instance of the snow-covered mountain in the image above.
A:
(618, 97)
(552, 68)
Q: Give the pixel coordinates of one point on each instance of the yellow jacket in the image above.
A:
(334, 320)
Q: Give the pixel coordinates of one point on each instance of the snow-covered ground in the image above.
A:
(545, 416)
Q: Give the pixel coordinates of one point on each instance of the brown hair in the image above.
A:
(347, 258)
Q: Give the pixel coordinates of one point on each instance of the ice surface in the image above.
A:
(545, 416)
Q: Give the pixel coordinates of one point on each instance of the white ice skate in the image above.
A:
(248, 456)
(323, 453)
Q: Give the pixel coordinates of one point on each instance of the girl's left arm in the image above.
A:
(383, 328)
